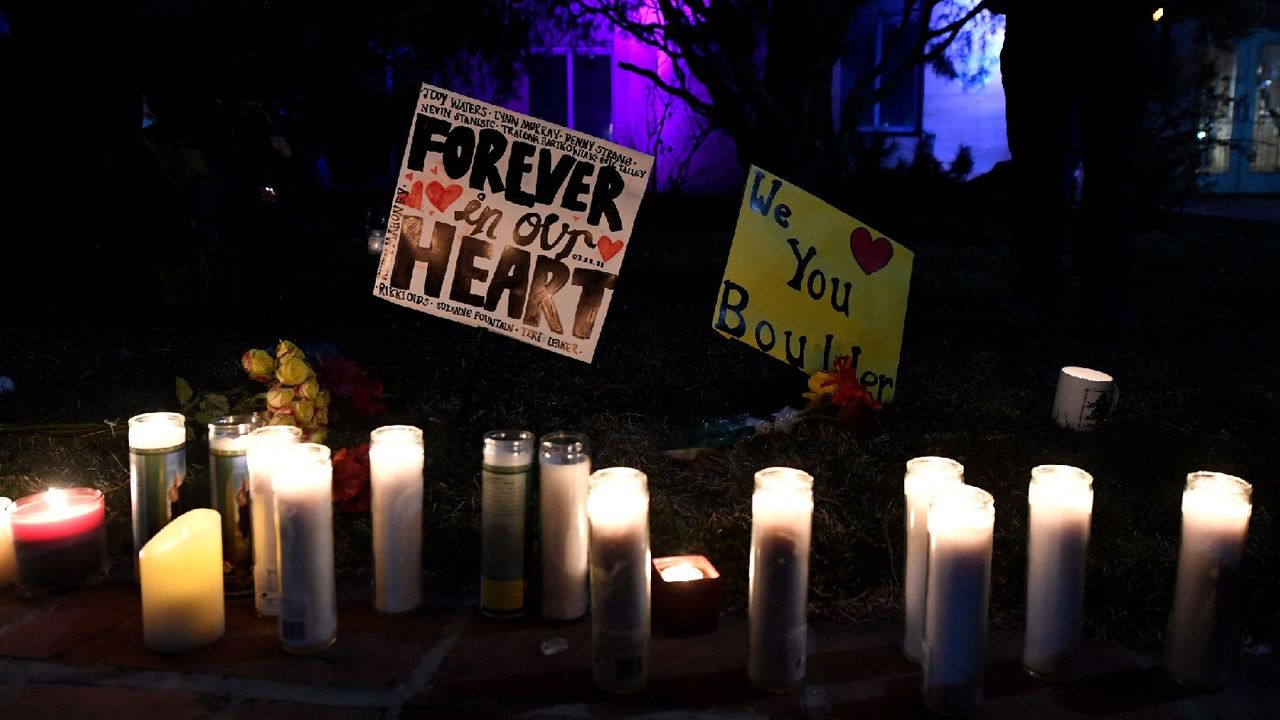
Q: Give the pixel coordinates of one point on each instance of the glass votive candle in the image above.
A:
(303, 496)
(505, 480)
(1202, 639)
(925, 476)
(229, 495)
(59, 541)
(395, 493)
(157, 467)
(781, 529)
(618, 508)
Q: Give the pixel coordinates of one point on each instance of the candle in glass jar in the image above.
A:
(618, 512)
(59, 541)
(229, 492)
(961, 521)
(781, 527)
(7, 563)
(924, 478)
(302, 486)
(507, 464)
(563, 473)
(265, 447)
(1060, 504)
(1202, 637)
(395, 487)
(684, 572)
(157, 467)
(181, 574)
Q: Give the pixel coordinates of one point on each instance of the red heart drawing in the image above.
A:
(608, 247)
(575, 218)
(435, 171)
(871, 254)
(408, 176)
(412, 198)
(441, 196)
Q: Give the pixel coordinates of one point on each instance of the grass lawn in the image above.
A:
(1199, 380)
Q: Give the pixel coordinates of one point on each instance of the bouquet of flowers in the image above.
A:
(294, 396)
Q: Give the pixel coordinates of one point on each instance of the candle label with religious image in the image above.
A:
(507, 222)
(229, 492)
(504, 486)
(157, 468)
(806, 283)
(59, 541)
(7, 563)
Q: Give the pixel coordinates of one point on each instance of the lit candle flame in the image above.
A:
(682, 572)
(56, 498)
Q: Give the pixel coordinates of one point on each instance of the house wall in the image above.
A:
(959, 116)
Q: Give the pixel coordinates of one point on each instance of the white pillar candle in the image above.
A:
(563, 472)
(229, 495)
(157, 468)
(7, 564)
(781, 528)
(395, 487)
(504, 486)
(181, 574)
(1060, 505)
(1202, 639)
(265, 446)
(302, 485)
(925, 476)
(961, 521)
(618, 509)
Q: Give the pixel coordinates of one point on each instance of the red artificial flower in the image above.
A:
(841, 386)
(351, 479)
(349, 382)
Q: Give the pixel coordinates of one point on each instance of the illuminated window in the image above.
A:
(573, 87)
(870, 40)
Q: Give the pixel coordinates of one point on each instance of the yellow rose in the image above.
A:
(279, 399)
(322, 400)
(259, 365)
(287, 349)
(322, 415)
(309, 389)
(315, 436)
(304, 411)
(293, 370)
(281, 420)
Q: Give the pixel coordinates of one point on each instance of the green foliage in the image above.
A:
(206, 406)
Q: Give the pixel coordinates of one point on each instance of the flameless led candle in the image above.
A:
(302, 484)
(157, 467)
(1060, 504)
(781, 527)
(265, 446)
(395, 486)
(924, 478)
(229, 492)
(7, 563)
(1202, 636)
(504, 486)
(59, 541)
(564, 469)
(618, 508)
(181, 574)
(961, 521)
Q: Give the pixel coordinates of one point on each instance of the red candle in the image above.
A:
(59, 540)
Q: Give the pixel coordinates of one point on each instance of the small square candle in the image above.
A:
(686, 595)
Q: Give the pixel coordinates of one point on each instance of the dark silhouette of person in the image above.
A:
(1077, 77)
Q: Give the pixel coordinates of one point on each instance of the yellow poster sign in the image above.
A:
(807, 283)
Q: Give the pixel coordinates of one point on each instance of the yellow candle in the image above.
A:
(6, 543)
(181, 574)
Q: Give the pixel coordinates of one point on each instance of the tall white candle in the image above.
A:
(395, 485)
(618, 509)
(563, 472)
(504, 486)
(7, 564)
(303, 488)
(181, 574)
(265, 446)
(781, 528)
(1060, 503)
(925, 476)
(961, 521)
(1202, 637)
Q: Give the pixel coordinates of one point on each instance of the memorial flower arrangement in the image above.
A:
(836, 393)
(294, 396)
